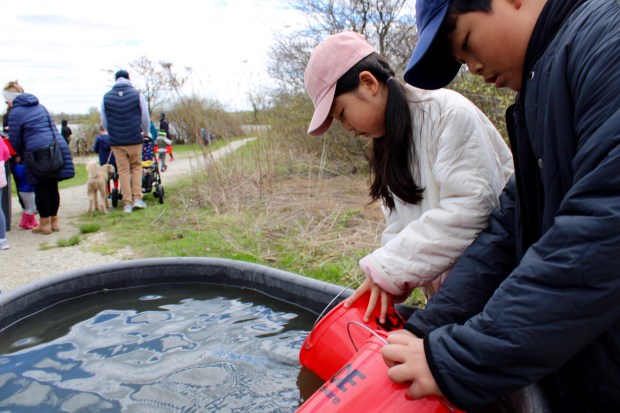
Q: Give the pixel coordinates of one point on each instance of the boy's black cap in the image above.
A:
(431, 66)
(121, 73)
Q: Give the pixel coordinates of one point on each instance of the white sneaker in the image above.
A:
(128, 209)
(4, 244)
(139, 204)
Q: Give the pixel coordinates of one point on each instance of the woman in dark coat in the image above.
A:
(30, 128)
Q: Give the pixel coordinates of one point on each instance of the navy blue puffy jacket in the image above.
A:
(536, 297)
(30, 128)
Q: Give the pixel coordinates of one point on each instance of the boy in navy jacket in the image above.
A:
(535, 298)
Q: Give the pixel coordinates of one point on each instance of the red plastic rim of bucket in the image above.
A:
(331, 343)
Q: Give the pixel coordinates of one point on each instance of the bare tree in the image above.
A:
(156, 81)
(389, 25)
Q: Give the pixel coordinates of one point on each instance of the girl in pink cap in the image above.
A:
(438, 164)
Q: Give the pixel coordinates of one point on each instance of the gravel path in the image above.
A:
(27, 259)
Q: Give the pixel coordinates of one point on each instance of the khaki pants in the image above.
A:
(129, 164)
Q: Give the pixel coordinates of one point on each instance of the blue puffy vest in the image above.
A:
(123, 114)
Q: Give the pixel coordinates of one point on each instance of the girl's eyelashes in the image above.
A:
(465, 45)
(338, 115)
(335, 114)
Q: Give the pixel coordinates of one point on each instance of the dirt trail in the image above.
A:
(26, 261)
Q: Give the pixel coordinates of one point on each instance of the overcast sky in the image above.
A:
(61, 50)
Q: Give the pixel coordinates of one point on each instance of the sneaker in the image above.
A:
(4, 244)
(139, 204)
(128, 208)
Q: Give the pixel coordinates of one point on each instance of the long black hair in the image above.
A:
(392, 154)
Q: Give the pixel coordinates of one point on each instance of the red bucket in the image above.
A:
(332, 342)
(363, 385)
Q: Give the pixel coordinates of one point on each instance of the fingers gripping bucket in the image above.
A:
(363, 385)
(332, 343)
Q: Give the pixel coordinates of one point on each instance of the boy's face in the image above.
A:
(493, 44)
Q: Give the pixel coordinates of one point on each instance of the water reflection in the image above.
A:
(228, 350)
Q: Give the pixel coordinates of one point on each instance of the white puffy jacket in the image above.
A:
(463, 165)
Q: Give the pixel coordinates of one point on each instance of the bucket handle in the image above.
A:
(442, 399)
(328, 306)
(365, 327)
(446, 403)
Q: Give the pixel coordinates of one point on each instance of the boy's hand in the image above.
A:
(376, 293)
(405, 357)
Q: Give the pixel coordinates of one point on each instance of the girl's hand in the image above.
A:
(376, 293)
(405, 357)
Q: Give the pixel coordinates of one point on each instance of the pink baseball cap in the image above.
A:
(331, 59)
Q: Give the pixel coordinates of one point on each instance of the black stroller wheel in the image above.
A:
(115, 197)
(159, 193)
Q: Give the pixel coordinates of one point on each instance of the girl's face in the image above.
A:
(493, 44)
(362, 110)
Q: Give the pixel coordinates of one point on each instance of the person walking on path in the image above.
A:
(124, 114)
(31, 128)
(154, 131)
(165, 126)
(66, 131)
(162, 142)
(103, 149)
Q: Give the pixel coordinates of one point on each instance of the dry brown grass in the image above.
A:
(306, 218)
(273, 206)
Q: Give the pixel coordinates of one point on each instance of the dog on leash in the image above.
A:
(98, 177)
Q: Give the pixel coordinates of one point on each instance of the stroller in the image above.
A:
(112, 185)
(151, 179)
(114, 194)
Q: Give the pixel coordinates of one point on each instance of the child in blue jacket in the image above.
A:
(26, 193)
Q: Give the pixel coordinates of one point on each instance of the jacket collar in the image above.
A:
(121, 82)
(551, 19)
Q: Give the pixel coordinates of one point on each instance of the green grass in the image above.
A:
(80, 178)
(68, 242)
(61, 243)
(89, 228)
(284, 221)
(194, 222)
(174, 230)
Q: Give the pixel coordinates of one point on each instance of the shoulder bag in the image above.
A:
(47, 162)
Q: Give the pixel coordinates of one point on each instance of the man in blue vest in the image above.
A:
(124, 114)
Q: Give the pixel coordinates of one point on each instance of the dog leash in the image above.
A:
(109, 156)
